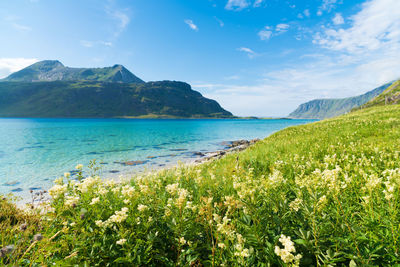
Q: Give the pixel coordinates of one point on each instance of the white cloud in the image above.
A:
(306, 12)
(190, 23)
(250, 53)
(269, 31)
(237, 4)
(21, 27)
(282, 27)
(14, 22)
(348, 61)
(120, 16)
(90, 44)
(280, 92)
(327, 5)
(86, 43)
(10, 65)
(265, 34)
(376, 26)
(338, 19)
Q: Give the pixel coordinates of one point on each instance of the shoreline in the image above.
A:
(198, 158)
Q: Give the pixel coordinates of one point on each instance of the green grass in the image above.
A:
(390, 96)
(331, 186)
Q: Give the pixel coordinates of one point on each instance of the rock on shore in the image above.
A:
(233, 146)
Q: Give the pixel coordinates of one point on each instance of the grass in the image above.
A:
(390, 96)
(321, 194)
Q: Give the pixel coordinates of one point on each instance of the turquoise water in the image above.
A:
(33, 152)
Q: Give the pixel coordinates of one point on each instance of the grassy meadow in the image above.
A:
(322, 194)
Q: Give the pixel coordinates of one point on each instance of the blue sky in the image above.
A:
(255, 57)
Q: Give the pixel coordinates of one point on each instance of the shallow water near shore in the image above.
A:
(33, 152)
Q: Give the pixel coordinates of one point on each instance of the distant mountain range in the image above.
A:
(49, 89)
(327, 108)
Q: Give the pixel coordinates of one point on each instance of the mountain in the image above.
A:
(103, 99)
(54, 70)
(327, 108)
(389, 97)
(49, 89)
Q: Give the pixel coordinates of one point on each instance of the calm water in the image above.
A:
(33, 152)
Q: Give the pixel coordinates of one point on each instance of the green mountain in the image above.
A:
(48, 89)
(327, 108)
(389, 97)
(54, 70)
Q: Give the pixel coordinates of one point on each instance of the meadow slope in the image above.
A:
(326, 193)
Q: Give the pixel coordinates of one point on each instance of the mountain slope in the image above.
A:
(390, 96)
(327, 108)
(54, 70)
(104, 99)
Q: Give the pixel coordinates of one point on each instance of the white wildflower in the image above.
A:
(121, 241)
(95, 201)
(142, 208)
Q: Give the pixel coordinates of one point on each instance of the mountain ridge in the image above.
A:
(331, 107)
(390, 96)
(54, 70)
(49, 89)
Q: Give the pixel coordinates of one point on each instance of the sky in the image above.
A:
(255, 57)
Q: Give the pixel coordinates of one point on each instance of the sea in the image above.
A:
(34, 152)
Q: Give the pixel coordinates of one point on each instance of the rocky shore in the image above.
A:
(232, 146)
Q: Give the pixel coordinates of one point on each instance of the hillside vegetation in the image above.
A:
(389, 97)
(102, 99)
(328, 108)
(326, 193)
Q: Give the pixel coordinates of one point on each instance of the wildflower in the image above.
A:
(128, 191)
(57, 190)
(119, 216)
(126, 201)
(321, 202)
(121, 241)
(79, 167)
(172, 188)
(95, 201)
(287, 253)
(67, 174)
(183, 193)
(100, 223)
(59, 181)
(142, 208)
(102, 191)
(373, 182)
(295, 204)
(182, 240)
(221, 245)
(71, 201)
(115, 190)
